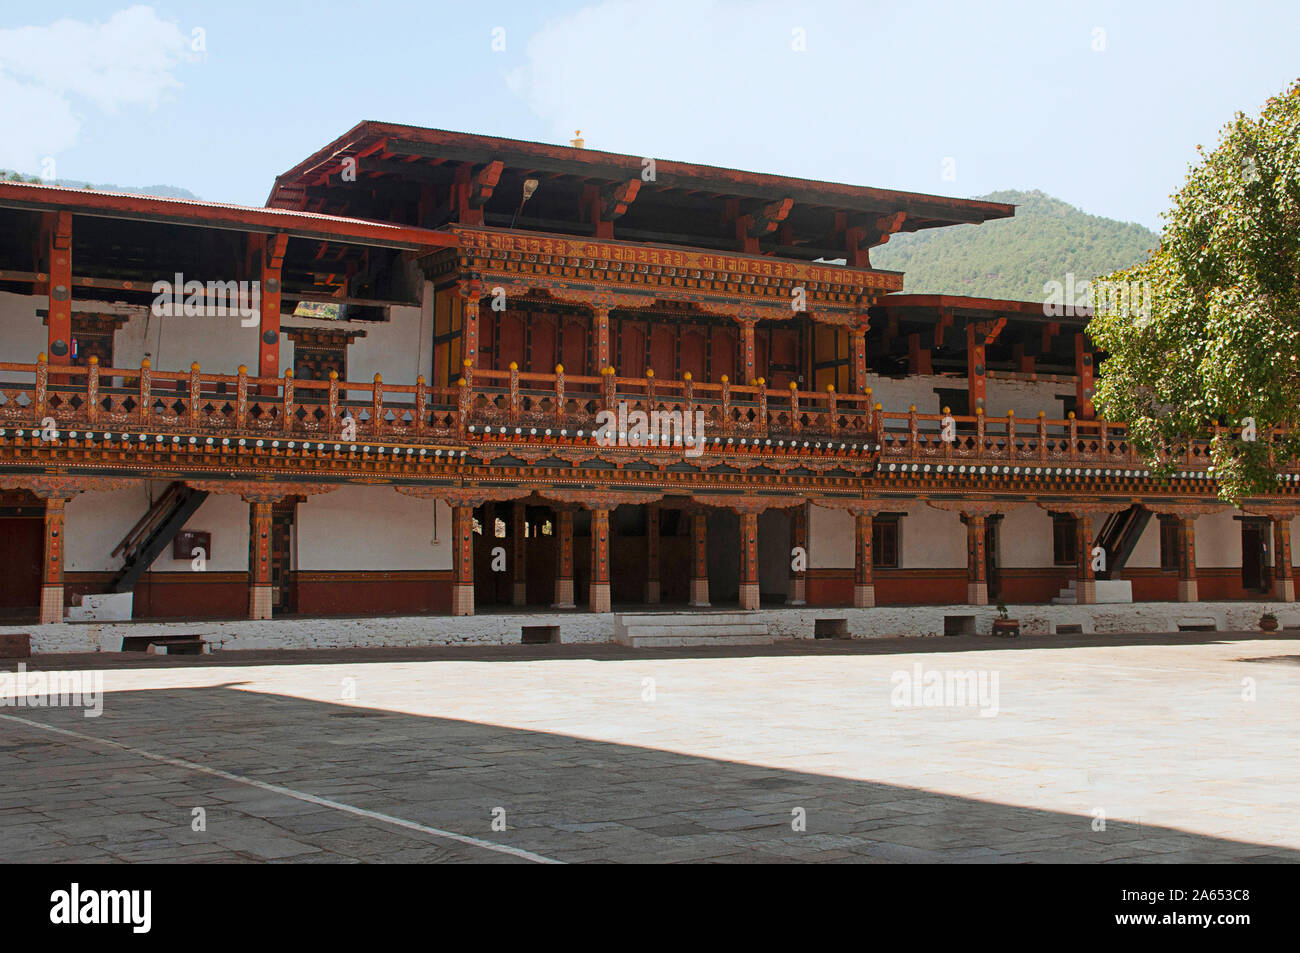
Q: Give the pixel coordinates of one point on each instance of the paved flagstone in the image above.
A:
(1183, 744)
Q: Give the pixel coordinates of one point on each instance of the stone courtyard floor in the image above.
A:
(1184, 746)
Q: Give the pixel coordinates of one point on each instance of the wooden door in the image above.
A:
(510, 340)
(723, 343)
(22, 548)
(783, 362)
(282, 594)
(1254, 557)
(663, 353)
(695, 352)
(542, 353)
(573, 346)
(631, 348)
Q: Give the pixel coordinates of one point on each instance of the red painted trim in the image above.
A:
(217, 215)
(992, 305)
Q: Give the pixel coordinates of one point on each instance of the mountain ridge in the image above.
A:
(1014, 258)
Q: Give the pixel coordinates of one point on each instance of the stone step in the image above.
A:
(683, 641)
(678, 629)
(686, 618)
(694, 631)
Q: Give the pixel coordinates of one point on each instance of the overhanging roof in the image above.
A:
(332, 228)
(418, 143)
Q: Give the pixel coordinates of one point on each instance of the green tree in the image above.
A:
(1214, 336)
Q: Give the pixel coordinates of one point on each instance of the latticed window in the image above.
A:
(884, 542)
(1168, 543)
(1065, 539)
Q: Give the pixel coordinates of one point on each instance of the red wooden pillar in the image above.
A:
(462, 585)
(749, 596)
(1187, 587)
(652, 553)
(600, 340)
(1283, 577)
(699, 559)
(858, 350)
(1083, 371)
(564, 559)
(259, 559)
(271, 252)
(976, 371)
(52, 566)
(864, 587)
(470, 330)
(598, 593)
(977, 585)
(749, 371)
(59, 288)
(519, 554)
(798, 547)
(1086, 585)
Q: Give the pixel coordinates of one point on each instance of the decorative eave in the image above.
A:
(575, 266)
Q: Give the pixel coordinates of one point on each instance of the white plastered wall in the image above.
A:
(1218, 540)
(372, 528)
(96, 522)
(1146, 554)
(1025, 538)
(22, 334)
(1026, 398)
(400, 349)
(830, 538)
(930, 538)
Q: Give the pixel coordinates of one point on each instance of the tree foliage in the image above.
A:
(1219, 343)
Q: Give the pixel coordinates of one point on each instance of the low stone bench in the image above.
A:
(165, 644)
(16, 645)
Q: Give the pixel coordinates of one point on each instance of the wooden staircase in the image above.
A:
(151, 534)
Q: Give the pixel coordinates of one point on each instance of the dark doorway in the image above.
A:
(1255, 559)
(992, 569)
(22, 545)
(282, 593)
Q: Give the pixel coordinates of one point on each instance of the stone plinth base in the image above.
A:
(259, 602)
(51, 604)
(864, 596)
(462, 599)
(652, 592)
(699, 593)
(519, 595)
(598, 597)
(1284, 589)
(564, 594)
(749, 596)
(977, 593)
(1086, 592)
(1187, 591)
(798, 591)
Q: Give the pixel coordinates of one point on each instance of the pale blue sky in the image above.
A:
(1101, 104)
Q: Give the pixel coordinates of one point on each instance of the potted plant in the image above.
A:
(1268, 622)
(1002, 626)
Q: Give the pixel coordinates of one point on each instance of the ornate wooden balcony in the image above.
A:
(519, 407)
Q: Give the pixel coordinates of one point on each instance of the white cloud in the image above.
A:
(128, 61)
(37, 123)
(689, 79)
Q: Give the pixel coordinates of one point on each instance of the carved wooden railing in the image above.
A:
(520, 399)
(142, 399)
(221, 404)
(1041, 441)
